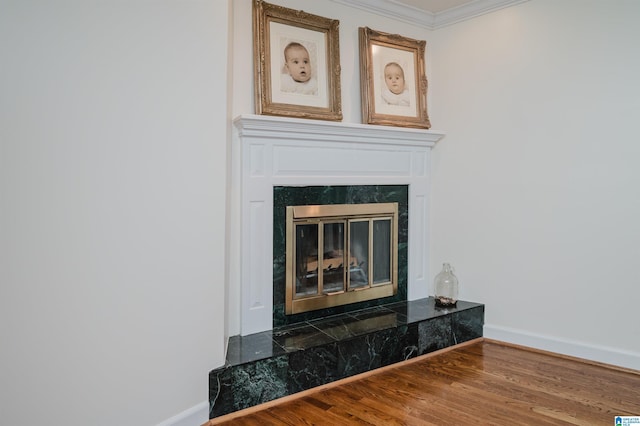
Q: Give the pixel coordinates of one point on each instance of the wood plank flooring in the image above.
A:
(482, 382)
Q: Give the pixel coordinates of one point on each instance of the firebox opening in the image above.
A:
(340, 254)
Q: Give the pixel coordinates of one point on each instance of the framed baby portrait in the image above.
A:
(297, 63)
(392, 80)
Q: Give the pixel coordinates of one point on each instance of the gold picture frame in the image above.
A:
(392, 80)
(297, 63)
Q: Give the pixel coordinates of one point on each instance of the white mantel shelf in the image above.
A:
(304, 129)
(282, 151)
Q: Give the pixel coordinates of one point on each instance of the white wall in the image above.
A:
(536, 193)
(113, 134)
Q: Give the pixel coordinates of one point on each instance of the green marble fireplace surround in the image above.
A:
(284, 196)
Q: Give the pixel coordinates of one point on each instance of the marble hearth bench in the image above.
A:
(265, 366)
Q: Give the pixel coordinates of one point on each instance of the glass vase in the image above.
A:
(446, 287)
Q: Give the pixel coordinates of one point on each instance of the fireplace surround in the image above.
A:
(288, 152)
(351, 195)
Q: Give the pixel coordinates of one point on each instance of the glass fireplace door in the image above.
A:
(334, 258)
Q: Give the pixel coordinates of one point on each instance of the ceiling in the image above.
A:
(430, 14)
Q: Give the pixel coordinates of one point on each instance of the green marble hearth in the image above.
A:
(265, 366)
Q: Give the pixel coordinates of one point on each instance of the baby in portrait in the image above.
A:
(395, 92)
(298, 78)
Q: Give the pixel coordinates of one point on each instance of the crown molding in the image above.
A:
(471, 10)
(431, 21)
(393, 10)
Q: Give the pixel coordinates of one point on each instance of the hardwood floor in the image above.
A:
(480, 382)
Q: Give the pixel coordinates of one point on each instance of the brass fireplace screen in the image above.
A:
(340, 254)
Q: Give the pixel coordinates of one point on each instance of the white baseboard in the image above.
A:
(194, 416)
(605, 354)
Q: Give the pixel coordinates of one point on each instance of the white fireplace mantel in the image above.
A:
(277, 151)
